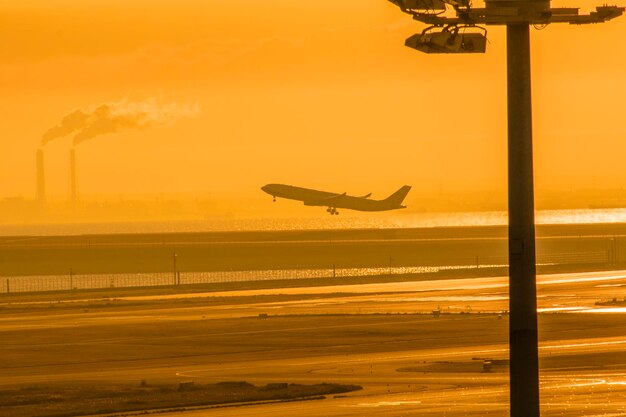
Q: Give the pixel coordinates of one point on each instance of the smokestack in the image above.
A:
(41, 183)
(73, 193)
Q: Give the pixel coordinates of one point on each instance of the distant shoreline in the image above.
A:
(347, 221)
(398, 233)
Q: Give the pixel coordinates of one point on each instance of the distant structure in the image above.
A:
(41, 180)
(109, 118)
(461, 34)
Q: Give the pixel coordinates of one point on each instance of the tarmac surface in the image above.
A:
(383, 337)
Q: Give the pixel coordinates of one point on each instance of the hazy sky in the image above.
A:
(314, 93)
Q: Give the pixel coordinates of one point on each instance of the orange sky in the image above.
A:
(320, 94)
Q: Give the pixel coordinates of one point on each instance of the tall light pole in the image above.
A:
(460, 34)
(524, 358)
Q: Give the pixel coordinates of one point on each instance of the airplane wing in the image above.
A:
(334, 198)
(337, 197)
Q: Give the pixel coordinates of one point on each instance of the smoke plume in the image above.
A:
(117, 117)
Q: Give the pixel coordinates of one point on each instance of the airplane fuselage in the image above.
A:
(334, 201)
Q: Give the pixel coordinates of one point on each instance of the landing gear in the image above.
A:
(332, 210)
(274, 198)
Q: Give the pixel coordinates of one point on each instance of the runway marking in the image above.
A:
(383, 404)
(184, 374)
(586, 344)
(605, 310)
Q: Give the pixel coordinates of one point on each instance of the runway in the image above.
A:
(383, 337)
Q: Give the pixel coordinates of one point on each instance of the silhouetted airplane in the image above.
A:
(334, 201)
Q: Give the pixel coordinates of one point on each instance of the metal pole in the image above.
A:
(174, 262)
(524, 368)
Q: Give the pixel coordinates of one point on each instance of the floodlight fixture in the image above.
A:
(429, 6)
(495, 12)
(451, 40)
(503, 12)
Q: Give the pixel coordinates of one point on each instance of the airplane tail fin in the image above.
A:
(398, 197)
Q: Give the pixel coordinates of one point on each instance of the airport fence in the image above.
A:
(96, 281)
(73, 281)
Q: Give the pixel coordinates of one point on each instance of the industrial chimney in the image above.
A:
(41, 182)
(73, 193)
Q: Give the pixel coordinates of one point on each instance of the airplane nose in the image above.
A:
(265, 188)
